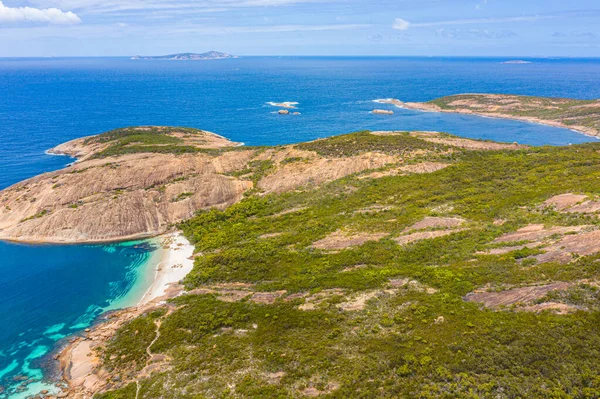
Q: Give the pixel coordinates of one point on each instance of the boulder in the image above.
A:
(382, 112)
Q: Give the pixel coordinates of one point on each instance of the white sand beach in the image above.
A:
(176, 262)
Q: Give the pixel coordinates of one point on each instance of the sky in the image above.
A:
(526, 28)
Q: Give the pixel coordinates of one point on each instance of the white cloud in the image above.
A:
(265, 29)
(402, 24)
(188, 30)
(30, 14)
(112, 6)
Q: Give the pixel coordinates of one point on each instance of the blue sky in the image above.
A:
(301, 27)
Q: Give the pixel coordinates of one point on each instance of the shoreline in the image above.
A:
(425, 107)
(133, 237)
(78, 363)
(175, 263)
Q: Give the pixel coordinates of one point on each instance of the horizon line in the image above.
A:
(512, 57)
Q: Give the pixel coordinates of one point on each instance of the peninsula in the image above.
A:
(406, 264)
(579, 115)
(210, 55)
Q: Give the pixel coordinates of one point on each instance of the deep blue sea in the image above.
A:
(49, 292)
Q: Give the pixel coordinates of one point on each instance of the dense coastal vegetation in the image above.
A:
(152, 139)
(406, 280)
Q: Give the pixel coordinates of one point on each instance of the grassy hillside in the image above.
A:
(151, 139)
(327, 292)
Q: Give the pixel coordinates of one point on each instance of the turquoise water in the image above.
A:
(50, 292)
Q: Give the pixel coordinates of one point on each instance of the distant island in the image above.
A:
(211, 55)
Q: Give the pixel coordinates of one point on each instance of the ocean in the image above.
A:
(48, 292)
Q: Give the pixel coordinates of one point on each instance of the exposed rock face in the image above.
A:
(516, 295)
(119, 197)
(320, 170)
(141, 194)
(565, 201)
(533, 298)
(138, 182)
(573, 203)
(436, 223)
(537, 232)
(570, 246)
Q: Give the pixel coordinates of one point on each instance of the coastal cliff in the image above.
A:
(580, 115)
(138, 182)
(134, 194)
